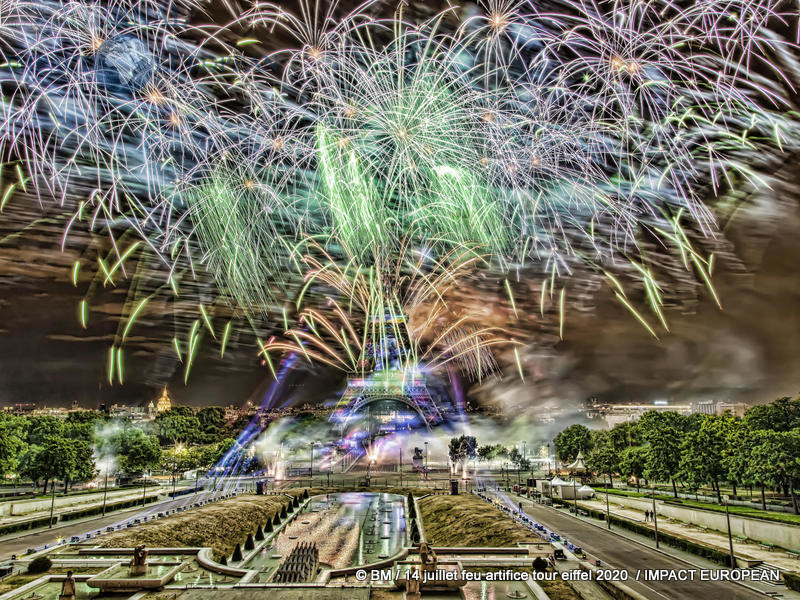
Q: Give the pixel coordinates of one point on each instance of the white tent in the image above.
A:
(557, 481)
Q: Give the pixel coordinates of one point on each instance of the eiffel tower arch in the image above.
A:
(391, 386)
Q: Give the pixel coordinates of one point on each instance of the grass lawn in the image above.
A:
(743, 511)
(469, 521)
(220, 525)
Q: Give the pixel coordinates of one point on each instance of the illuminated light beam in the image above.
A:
(83, 309)
(636, 314)
(9, 191)
(225, 335)
(561, 299)
(519, 365)
(191, 352)
(119, 366)
(176, 344)
(111, 364)
(76, 267)
(133, 315)
(207, 321)
(119, 262)
(265, 353)
(511, 298)
(706, 279)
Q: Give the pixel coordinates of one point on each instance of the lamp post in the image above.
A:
(608, 511)
(311, 468)
(426, 461)
(524, 453)
(730, 537)
(52, 501)
(655, 517)
(105, 489)
(400, 449)
(575, 493)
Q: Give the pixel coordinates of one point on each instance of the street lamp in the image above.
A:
(311, 467)
(400, 453)
(105, 488)
(730, 538)
(655, 516)
(426, 461)
(608, 511)
(52, 501)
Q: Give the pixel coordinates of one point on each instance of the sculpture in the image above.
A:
(139, 561)
(67, 588)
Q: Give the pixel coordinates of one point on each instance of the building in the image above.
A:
(614, 414)
(164, 403)
(706, 407)
(135, 413)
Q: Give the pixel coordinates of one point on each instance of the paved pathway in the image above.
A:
(620, 552)
(778, 557)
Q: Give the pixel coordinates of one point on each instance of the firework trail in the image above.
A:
(564, 142)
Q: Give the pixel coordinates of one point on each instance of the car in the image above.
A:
(110, 528)
(75, 538)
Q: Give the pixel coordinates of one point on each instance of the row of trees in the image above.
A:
(183, 424)
(46, 449)
(762, 449)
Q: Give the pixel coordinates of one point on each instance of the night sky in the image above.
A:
(749, 350)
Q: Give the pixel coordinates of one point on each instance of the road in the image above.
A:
(18, 544)
(618, 551)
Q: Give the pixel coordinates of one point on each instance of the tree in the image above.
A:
(12, 442)
(41, 429)
(702, 451)
(781, 415)
(575, 438)
(604, 456)
(136, 452)
(662, 431)
(736, 453)
(515, 456)
(212, 422)
(82, 467)
(462, 448)
(59, 459)
(31, 465)
(485, 452)
(175, 425)
(632, 461)
(775, 460)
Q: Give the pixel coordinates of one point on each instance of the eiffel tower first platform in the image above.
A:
(390, 400)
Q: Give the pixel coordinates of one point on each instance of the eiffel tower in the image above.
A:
(391, 382)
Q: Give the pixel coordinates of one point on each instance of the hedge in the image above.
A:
(24, 525)
(792, 580)
(98, 510)
(76, 514)
(712, 554)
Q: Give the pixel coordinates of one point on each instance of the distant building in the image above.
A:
(164, 403)
(706, 407)
(134, 413)
(614, 414)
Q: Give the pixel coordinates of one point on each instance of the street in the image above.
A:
(620, 552)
